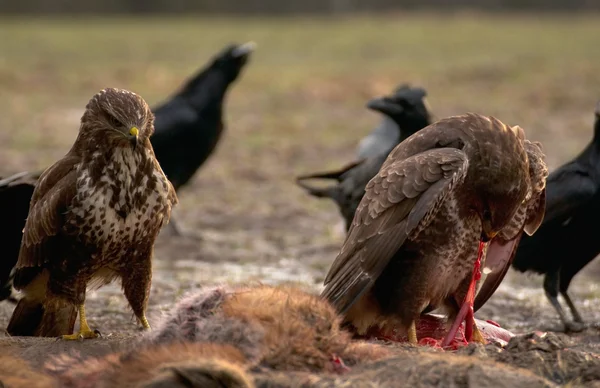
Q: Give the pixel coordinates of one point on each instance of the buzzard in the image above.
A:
(408, 110)
(413, 243)
(572, 213)
(93, 217)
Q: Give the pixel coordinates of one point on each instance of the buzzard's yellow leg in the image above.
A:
(84, 330)
(412, 333)
(477, 336)
(144, 322)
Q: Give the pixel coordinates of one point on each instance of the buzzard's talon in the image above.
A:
(81, 335)
(84, 330)
(412, 333)
(477, 336)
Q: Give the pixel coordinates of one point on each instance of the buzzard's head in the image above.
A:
(501, 179)
(119, 116)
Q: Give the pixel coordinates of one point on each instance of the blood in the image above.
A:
(466, 313)
(431, 330)
(493, 323)
(338, 364)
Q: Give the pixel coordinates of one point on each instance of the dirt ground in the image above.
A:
(299, 107)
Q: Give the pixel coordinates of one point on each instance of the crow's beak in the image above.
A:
(378, 104)
(244, 49)
(133, 132)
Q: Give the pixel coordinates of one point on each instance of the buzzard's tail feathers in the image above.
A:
(26, 318)
(34, 317)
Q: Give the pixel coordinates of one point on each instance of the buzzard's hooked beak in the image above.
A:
(488, 236)
(487, 230)
(134, 136)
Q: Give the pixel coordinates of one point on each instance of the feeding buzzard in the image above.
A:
(413, 243)
(94, 216)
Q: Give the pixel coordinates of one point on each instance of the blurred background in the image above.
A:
(274, 7)
(297, 107)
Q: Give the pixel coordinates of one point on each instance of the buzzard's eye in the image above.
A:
(114, 122)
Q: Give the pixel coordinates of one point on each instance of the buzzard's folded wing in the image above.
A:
(403, 196)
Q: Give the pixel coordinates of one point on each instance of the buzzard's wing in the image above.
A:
(51, 197)
(403, 196)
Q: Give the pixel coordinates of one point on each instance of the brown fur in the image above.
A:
(197, 318)
(174, 365)
(302, 331)
(280, 328)
(17, 373)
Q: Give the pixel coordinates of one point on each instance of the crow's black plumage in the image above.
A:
(15, 195)
(387, 132)
(189, 125)
(408, 109)
(568, 238)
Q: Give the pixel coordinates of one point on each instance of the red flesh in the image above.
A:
(431, 329)
(466, 310)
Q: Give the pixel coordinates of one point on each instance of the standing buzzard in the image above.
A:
(94, 216)
(413, 243)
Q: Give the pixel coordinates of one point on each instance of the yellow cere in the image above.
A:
(134, 131)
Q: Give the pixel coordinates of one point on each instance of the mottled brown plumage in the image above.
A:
(94, 216)
(414, 239)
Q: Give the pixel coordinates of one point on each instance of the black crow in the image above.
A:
(189, 125)
(567, 239)
(410, 113)
(379, 140)
(15, 195)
